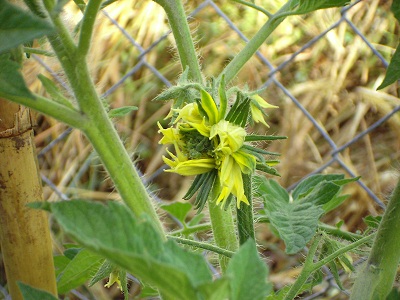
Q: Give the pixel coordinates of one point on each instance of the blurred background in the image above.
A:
(321, 69)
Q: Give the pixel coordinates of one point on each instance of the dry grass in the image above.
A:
(335, 80)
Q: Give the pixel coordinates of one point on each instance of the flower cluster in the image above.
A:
(207, 138)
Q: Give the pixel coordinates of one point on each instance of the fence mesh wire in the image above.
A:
(331, 148)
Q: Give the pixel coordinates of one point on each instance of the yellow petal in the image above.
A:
(170, 135)
(246, 161)
(190, 114)
(190, 167)
(262, 102)
(230, 135)
(257, 115)
(209, 106)
(231, 181)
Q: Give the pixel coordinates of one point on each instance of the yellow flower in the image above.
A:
(231, 137)
(255, 109)
(114, 278)
(204, 141)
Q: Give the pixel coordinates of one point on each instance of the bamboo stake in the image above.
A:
(24, 233)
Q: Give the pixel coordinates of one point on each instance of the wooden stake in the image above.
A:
(24, 233)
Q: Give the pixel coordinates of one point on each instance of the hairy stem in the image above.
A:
(237, 63)
(306, 270)
(309, 266)
(93, 120)
(89, 18)
(223, 227)
(376, 279)
(180, 29)
(202, 245)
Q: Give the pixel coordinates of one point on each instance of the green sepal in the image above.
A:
(267, 169)
(228, 201)
(251, 149)
(196, 184)
(205, 190)
(239, 113)
(255, 138)
(223, 100)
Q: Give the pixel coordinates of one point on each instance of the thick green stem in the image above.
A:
(181, 31)
(223, 231)
(237, 63)
(89, 18)
(245, 220)
(223, 227)
(116, 160)
(376, 279)
(94, 122)
(46, 106)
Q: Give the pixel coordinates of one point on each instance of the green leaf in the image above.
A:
(54, 91)
(78, 271)
(328, 186)
(60, 263)
(295, 221)
(104, 271)
(178, 209)
(18, 26)
(270, 188)
(394, 293)
(322, 193)
(372, 221)
(305, 6)
(113, 232)
(121, 111)
(248, 274)
(395, 8)
(11, 81)
(334, 203)
(31, 293)
(217, 290)
(305, 186)
(393, 70)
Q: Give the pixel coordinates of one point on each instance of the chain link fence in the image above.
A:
(331, 146)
